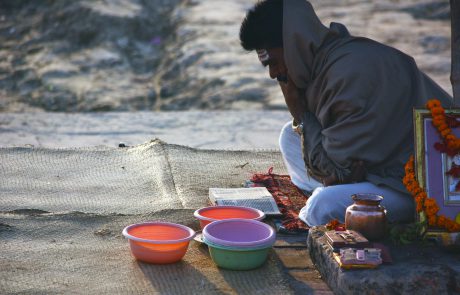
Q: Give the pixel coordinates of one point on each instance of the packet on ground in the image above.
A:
(254, 197)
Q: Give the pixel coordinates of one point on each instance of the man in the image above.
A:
(351, 99)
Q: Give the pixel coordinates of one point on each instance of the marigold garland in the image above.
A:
(335, 225)
(443, 125)
(423, 202)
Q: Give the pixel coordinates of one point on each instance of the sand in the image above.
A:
(177, 55)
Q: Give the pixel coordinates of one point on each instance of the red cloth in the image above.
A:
(289, 198)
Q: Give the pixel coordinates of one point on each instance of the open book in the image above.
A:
(254, 197)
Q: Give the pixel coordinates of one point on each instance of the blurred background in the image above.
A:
(100, 56)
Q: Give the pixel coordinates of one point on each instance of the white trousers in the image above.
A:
(328, 203)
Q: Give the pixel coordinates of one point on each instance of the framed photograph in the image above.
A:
(431, 165)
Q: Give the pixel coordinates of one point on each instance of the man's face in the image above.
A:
(274, 59)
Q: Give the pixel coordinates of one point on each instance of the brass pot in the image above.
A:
(367, 216)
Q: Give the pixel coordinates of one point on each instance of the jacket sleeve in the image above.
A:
(316, 159)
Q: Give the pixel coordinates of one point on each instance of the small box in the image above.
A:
(360, 256)
(350, 258)
(348, 238)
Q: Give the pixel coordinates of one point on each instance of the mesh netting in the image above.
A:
(62, 212)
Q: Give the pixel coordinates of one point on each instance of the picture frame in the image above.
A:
(431, 165)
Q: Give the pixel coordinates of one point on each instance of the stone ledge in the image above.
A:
(292, 254)
(416, 269)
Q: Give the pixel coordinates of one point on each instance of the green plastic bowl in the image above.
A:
(239, 258)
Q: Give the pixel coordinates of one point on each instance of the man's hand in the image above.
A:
(330, 180)
(358, 174)
(294, 99)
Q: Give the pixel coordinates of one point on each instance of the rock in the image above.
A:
(104, 232)
(416, 269)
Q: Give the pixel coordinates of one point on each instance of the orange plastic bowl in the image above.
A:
(213, 213)
(158, 242)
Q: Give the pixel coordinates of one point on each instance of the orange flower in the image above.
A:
(431, 208)
(417, 189)
(446, 132)
(412, 187)
(421, 195)
(455, 227)
(451, 145)
(441, 221)
(433, 103)
(335, 225)
(442, 127)
(452, 226)
(438, 121)
(437, 110)
(419, 203)
(423, 201)
(408, 171)
(432, 220)
(450, 137)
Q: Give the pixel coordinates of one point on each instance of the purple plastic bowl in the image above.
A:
(237, 232)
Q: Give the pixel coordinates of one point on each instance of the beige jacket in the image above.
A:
(360, 94)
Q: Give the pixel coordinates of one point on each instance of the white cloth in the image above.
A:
(328, 203)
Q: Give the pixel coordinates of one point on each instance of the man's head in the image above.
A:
(262, 30)
(263, 26)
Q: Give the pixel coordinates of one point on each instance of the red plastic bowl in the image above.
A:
(207, 215)
(158, 242)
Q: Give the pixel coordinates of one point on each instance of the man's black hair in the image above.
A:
(262, 27)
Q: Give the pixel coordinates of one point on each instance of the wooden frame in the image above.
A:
(431, 165)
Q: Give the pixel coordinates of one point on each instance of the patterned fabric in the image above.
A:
(288, 197)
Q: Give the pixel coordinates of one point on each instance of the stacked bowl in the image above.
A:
(235, 236)
(210, 214)
(158, 242)
(238, 244)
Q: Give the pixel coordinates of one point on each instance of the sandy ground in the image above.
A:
(111, 55)
(117, 56)
(199, 129)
